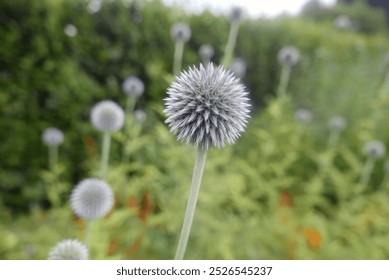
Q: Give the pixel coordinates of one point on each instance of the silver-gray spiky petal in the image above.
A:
(69, 249)
(374, 149)
(207, 107)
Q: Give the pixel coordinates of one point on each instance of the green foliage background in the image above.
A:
(279, 193)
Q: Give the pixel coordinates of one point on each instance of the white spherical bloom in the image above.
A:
(343, 22)
(52, 137)
(181, 32)
(303, 116)
(206, 52)
(91, 199)
(236, 14)
(140, 116)
(207, 106)
(238, 66)
(70, 30)
(107, 116)
(133, 86)
(69, 249)
(374, 149)
(289, 56)
(337, 123)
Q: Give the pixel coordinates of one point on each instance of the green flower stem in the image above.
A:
(131, 100)
(333, 139)
(88, 230)
(233, 35)
(384, 181)
(178, 53)
(53, 156)
(105, 155)
(284, 80)
(367, 170)
(192, 201)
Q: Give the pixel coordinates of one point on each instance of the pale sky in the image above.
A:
(253, 8)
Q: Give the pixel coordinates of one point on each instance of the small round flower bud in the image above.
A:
(337, 123)
(70, 30)
(69, 249)
(207, 106)
(140, 116)
(374, 149)
(92, 199)
(133, 86)
(107, 116)
(206, 52)
(181, 32)
(236, 14)
(238, 66)
(52, 137)
(303, 116)
(289, 56)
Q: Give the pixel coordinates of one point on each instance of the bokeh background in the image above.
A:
(279, 193)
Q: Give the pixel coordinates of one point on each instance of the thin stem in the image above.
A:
(367, 170)
(53, 156)
(131, 100)
(384, 181)
(105, 155)
(232, 36)
(284, 80)
(178, 53)
(191, 204)
(333, 139)
(88, 231)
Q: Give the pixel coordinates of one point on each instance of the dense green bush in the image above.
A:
(280, 188)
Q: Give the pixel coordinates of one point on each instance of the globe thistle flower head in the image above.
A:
(107, 116)
(236, 14)
(238, 66)
(303, 116)
(91, 199)
(207, 107)
(342, 22)
(69, 249)
(374, 149)
(206, 52)
(140, 116)
(70, 30)
(337, 123)
(52, 137)
(181, 32)
(289, 56)
(133, 86)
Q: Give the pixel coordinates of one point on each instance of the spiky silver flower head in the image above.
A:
(236, 14)
(181, 32)
(107, 116)
(289, 56)
(140, 116)
(52, 137)
(69, 249)
(207, 106)
(303, 116)
(374, 149)
(337, 123)
(206, 52)
(91, 199)
(238, 66)
(133, 86)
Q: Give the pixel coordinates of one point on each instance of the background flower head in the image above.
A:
(91, 199)
(107, 116)
(181, 32)
(69, 249)
(374, 149)
(207, 106)
(337, 123)
(52, 137)
(303, 116)
(133, 86)
(289, 56)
